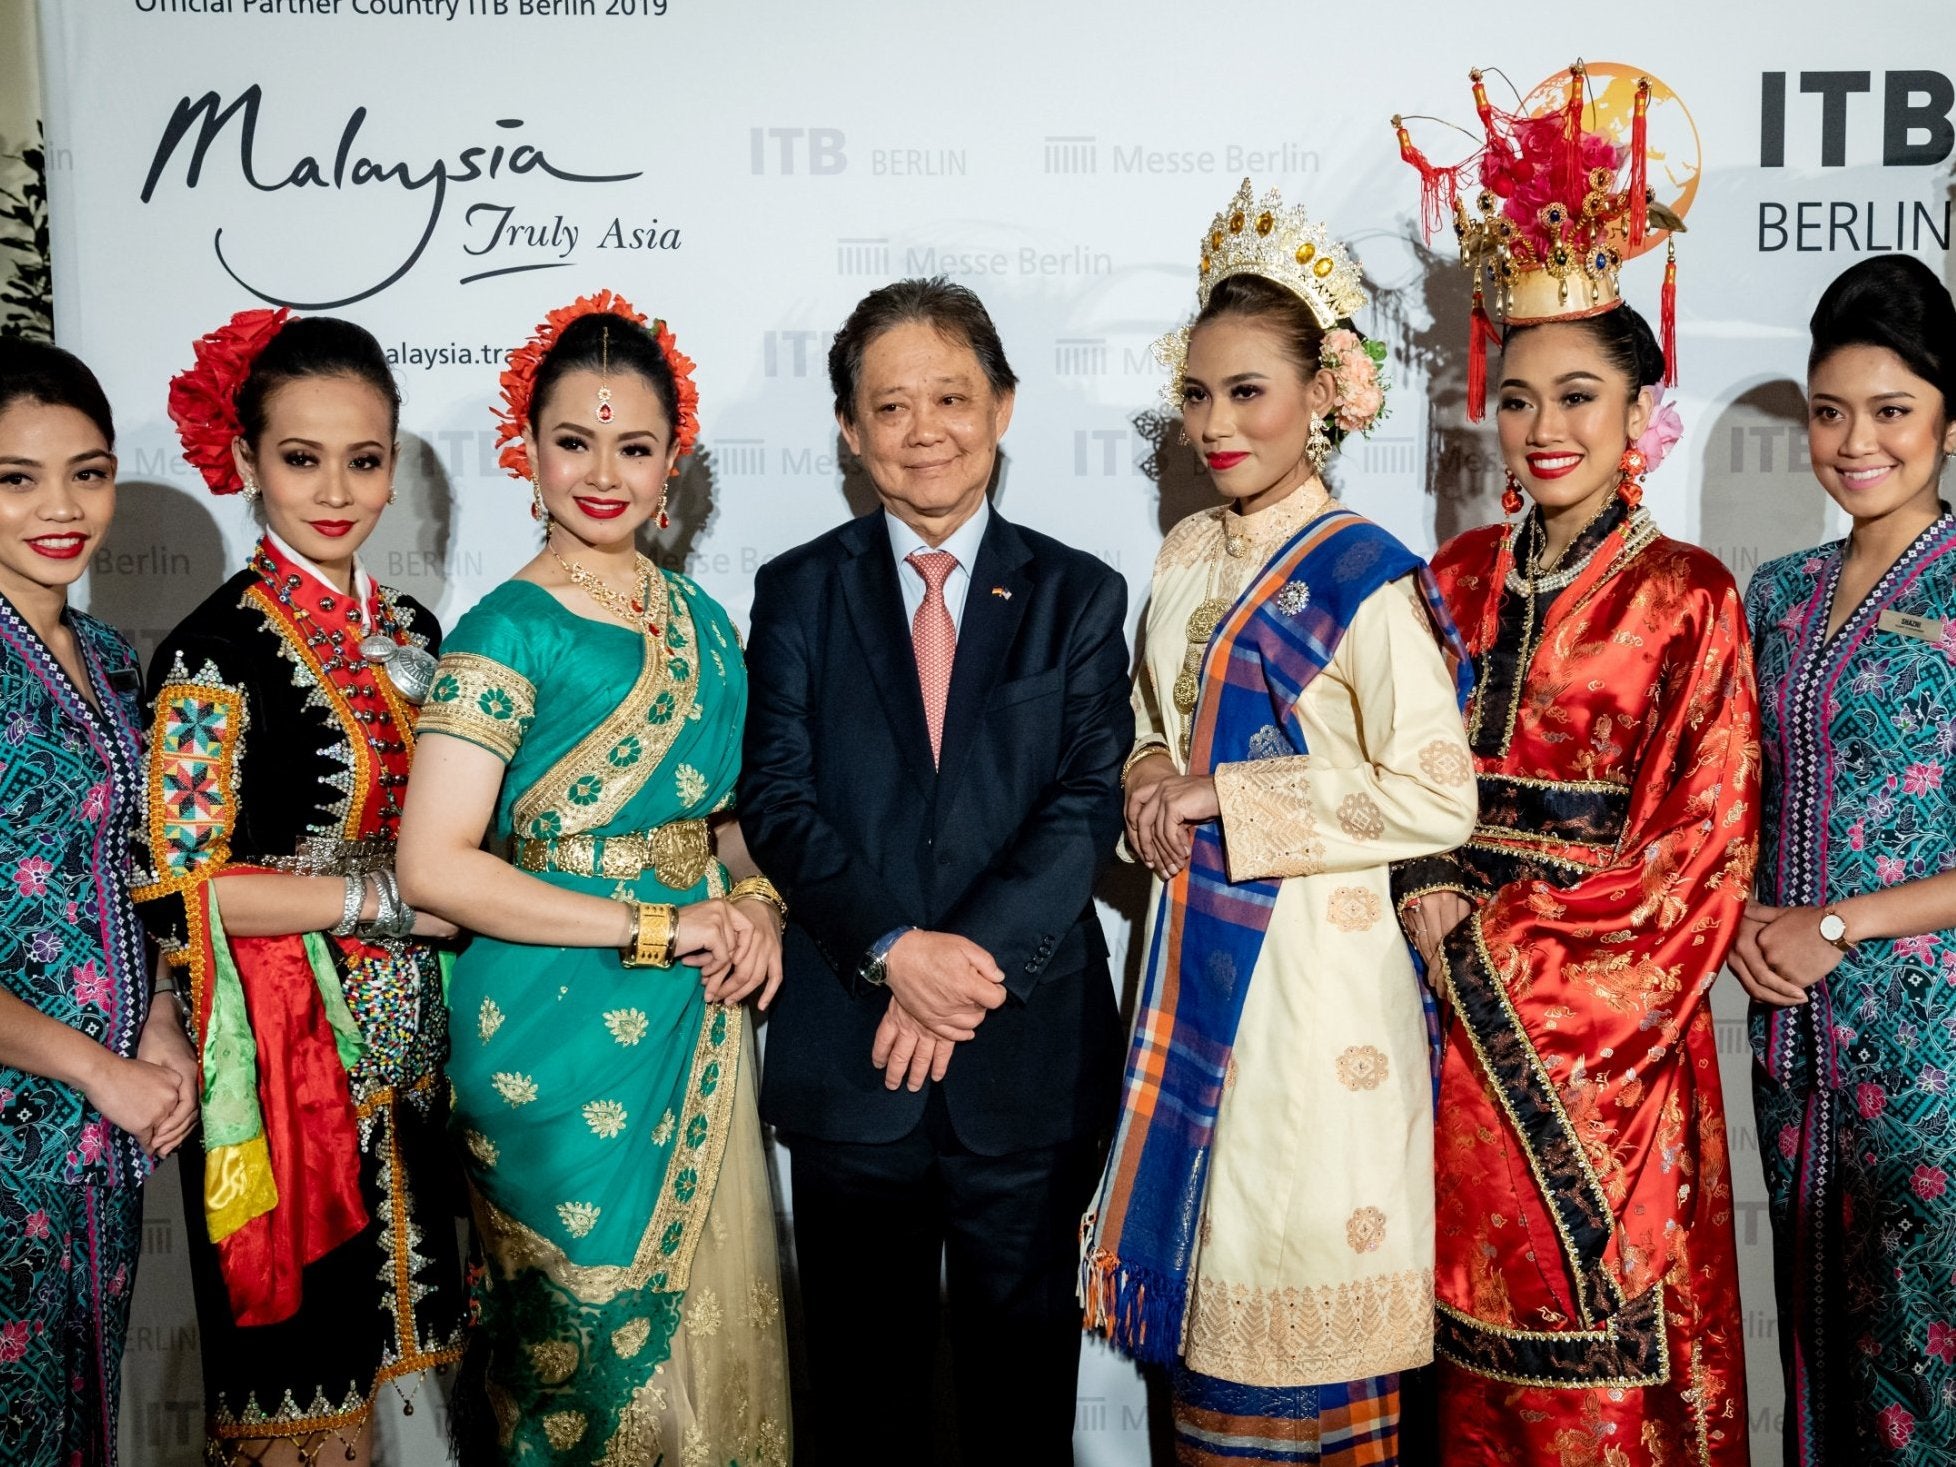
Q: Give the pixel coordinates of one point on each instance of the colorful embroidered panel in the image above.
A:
(199, 727)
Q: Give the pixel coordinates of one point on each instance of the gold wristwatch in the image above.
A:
(1833, 929)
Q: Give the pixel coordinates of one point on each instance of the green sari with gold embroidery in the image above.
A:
(594, 1102)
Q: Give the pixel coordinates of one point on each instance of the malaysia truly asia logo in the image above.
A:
(499, 238)
(1675, 156)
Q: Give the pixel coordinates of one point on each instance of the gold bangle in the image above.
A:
(761, 889)
(1146, 751)
(655, 933)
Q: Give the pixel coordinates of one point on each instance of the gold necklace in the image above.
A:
(1200, 627)
(634, 613)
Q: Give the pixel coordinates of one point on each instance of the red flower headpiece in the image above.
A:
(204, 398)
(520, 376)
(1553, 220)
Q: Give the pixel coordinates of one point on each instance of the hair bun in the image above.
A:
(1898, 303)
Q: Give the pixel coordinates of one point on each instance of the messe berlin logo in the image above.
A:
(1675, 155)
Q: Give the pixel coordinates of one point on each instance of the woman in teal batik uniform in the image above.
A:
(588, 713)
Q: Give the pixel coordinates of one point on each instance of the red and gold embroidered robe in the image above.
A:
(1587, 1272)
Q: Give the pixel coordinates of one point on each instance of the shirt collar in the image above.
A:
(363, 584)
(963, 542)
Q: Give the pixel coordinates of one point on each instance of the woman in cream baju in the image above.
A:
(1266, 1221)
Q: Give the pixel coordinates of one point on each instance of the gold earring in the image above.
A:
(1317, 447)
(1183, 434)
(538, 511)
(604, 376)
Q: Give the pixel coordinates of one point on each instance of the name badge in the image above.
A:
(1921, 627)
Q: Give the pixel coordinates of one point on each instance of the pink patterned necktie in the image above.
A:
(934, 638)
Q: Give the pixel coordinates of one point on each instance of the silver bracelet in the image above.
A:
(383, 919)
(356, 894)
(398, 919)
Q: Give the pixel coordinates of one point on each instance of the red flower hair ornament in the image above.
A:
(204, 397)
(520, 377)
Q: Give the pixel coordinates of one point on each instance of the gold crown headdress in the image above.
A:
(1262, 237)
(1551, 222)
(1286, 246)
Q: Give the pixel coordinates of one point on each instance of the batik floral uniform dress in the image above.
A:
(321, 1199)
(1857, 1119)
(1587, 1268)
(71, 948)
(630, 1307)
(1310, 1280)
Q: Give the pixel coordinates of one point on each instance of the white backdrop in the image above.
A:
(749, 168)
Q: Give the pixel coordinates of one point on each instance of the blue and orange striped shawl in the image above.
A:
(1140, 1239)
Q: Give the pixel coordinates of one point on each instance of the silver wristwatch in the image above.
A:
(875, 970)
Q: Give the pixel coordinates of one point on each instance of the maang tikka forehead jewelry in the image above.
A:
(604, 375)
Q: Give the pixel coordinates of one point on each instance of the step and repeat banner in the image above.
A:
(445, 171)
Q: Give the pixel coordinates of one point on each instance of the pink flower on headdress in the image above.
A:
(1361, 393)
(1661, 434)
(1538, 172)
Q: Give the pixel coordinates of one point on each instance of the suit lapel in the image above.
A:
(985, 635)
(869, 587)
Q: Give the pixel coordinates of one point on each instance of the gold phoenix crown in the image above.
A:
(1262, 237)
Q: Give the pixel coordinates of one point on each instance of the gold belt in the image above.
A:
(677, 854)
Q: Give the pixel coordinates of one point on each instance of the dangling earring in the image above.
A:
(1630, 488)
(1511, 500)
(1182, 434)
(1317, 448)
(604, 376)
(664, 521)
(392, 495)
(249, 491)
(537, 510)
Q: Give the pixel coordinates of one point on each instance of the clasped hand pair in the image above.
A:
(154, 1095)
(1162, 810)
(735, 945)
(941, 987)
(1780, 953)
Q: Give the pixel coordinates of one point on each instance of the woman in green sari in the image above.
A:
(586, 715)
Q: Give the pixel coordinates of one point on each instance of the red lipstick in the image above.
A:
(59, 547)
(602, 509)
(1553, 465)
(331, 529)
(1221, 461)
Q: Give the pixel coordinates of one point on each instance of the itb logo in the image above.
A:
(1072, 155)
(1104, 453)
(789, 150)
(862, 256)
(792, 353)
(1915, 126)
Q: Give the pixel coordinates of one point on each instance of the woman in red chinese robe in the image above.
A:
(1587, 1274)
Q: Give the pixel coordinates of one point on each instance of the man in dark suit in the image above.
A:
(932, 771)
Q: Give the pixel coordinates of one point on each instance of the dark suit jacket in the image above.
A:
(842, 808)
